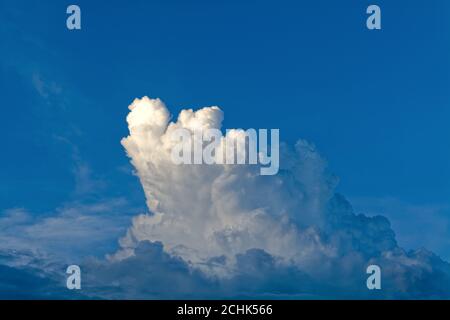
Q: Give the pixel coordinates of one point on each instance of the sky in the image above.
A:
(375, 104)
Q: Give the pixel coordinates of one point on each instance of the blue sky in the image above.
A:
(375, 103)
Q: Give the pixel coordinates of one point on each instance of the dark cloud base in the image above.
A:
(152, 273)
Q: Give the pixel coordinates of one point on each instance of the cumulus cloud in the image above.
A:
(201, 211)
(405, 217)
(228, 228)
(215, 231)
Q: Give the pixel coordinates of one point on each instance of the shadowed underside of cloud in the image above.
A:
(227, 231)
(24, 276)
(23, 284)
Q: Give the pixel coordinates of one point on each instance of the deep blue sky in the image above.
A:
(376, 103)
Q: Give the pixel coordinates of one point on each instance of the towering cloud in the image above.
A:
(231, 229)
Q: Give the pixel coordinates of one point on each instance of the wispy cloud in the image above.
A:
(86, 181)
(44, 88)
(72, 231)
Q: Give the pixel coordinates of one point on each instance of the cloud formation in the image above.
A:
(215, 231)
(229, 231)
(66, 235)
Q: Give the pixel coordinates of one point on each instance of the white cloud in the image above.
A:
(222, 230)
(201, 211)
(211, 216)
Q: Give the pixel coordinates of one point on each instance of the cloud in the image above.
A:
(405, 217)
(67, 234)
(219, 231)
(86, 183)
(149, 273)
(24, 276)
(243, 234)
(201, 211)
(24, 284)
(45, 89)
(36, 248)
(159, 275)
